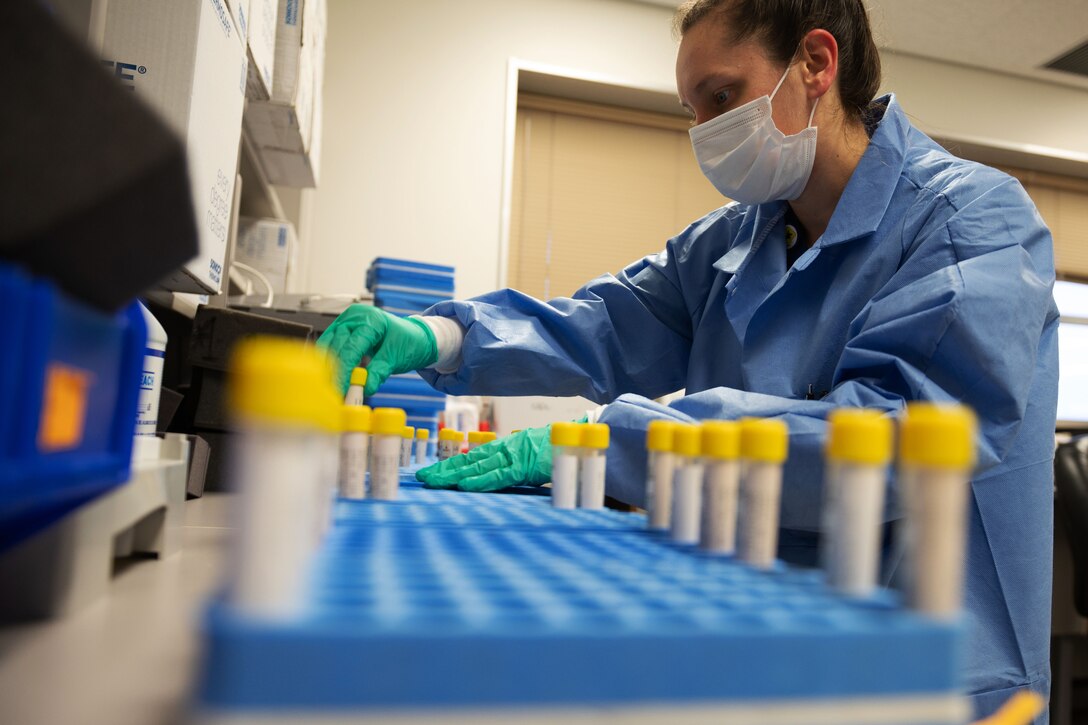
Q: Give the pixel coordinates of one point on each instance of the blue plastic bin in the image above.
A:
(69, 383)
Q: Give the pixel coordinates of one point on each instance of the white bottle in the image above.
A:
(356, 387)
(859, 449)
(591, 476)
(660, 465)
(721, 454)
(565, 439)
(422, 436)
(146, 445)
(283, 405)
(449, 443)
(936, 456)
(354, 451)
(687, 484)
(387, 432)
(763, 446)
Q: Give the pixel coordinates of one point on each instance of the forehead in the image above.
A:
(708, 47)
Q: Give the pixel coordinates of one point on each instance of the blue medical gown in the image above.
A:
(932, 281)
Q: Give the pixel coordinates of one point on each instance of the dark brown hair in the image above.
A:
(780, 25)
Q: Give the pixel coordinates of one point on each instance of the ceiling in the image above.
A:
(1010, 36)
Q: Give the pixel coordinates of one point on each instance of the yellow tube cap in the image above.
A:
(764, 439)
(356, 418)
(449, 434)
(388, 421)
(358, 376)
(939, 436)
(721, 439)
(408, 433)
(687, 440)
(475, 436)
(659, 435)
(422, 434)
(486, 436)
(283, 382)
(566, 434)
(857, 435)
(594, 435)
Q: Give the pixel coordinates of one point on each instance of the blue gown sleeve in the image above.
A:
(622, 333)
(961, 319)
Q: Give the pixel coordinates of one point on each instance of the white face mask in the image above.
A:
(748, 159)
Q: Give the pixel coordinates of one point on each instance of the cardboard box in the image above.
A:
(269, 246)
(283, 128)
(186, 59)
(261, 41)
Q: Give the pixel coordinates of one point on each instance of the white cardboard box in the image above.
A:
(269, 246)
(283, 128)
(186, 59)
(261, 37)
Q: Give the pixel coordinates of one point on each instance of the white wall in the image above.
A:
(415, 104)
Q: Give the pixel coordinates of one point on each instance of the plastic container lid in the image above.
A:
(764, 439)
(594, 435)
(475, 436)
(358, 376)
(355, 418)
(721, 439)
(409, 432)
(857, 435)
(938, 436)
(659, 435)
(422, 434)
(449, 434)
(566, 434)
(388, 421)
(687, 440)
(487, 436)
(283, 382)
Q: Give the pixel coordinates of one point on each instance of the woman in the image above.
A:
(861, 265)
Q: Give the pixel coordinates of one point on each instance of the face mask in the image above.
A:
(748, 159)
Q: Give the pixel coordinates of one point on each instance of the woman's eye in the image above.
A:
(721, 97)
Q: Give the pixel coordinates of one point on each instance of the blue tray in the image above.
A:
(446, 599)
(435, 278)
(69, 383)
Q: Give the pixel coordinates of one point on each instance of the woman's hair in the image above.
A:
(780, 25)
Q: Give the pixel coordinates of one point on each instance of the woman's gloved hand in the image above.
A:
(393, 344)
(522, 458)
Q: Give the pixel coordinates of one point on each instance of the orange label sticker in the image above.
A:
(64, 408)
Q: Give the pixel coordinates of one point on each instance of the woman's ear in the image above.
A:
(819, 61)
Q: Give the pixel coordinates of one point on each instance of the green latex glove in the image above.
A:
(393, 344)
(522, 458)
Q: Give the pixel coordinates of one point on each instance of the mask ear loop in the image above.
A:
(782, 80)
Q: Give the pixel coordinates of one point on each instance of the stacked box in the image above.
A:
(286, 127)
(270, 246)
(187, 60)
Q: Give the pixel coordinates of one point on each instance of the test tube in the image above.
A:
(593, 440)
(566, 440)
(763, 446)
(721, 453)
(449, 443)
(422, 436)
(859, 449)
(660, 464)
(407, 436)
(387, 425)
(355, 387)
(283, 405)
(687, 484)
(936, 455)
(354, 449)
(474, 439)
